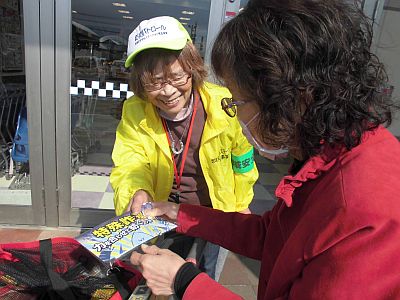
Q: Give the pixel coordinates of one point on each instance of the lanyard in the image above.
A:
(178, 177)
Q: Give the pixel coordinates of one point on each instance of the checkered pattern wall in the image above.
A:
(101, 89)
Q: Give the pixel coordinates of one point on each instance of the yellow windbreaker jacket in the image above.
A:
(142, 157)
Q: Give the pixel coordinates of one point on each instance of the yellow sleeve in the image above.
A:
(245, 179)
(131, 170)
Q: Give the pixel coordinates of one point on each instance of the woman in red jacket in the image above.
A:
(302, 77)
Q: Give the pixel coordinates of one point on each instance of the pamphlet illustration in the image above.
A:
(120, 235)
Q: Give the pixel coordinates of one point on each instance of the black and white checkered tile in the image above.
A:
(100, 89)
(94, 173)
(92, 170)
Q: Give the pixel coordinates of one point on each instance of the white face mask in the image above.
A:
(271, 154)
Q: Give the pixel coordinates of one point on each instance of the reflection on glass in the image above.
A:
(99, 82)
(14, 147)
(243, 3)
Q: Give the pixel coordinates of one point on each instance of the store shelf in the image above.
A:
(5, 74)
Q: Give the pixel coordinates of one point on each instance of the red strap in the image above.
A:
(185, 151)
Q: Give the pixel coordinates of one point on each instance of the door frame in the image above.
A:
(67, 215)
(33, 214)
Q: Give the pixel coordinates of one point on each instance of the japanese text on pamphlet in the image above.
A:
(119, 236)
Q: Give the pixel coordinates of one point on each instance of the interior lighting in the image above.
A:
(119, 4)
(124, 11)
(74, 12)
(183, 23)
(127, 17)
(187, 12)
(184, 19)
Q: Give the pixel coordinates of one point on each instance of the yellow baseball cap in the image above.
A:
(160, 32)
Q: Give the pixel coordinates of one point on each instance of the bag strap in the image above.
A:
(58, 284)
(115, 273)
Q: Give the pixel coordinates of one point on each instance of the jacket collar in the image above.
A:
(312, 169)
(319, 164)
(216, 118)
(153, 126)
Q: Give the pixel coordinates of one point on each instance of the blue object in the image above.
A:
(147, 205)
(20, 149)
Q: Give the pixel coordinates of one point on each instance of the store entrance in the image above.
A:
(62, 88)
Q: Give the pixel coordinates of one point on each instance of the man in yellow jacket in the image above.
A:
(174, 141)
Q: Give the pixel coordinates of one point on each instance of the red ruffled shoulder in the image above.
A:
(319, 164)
(312, 169)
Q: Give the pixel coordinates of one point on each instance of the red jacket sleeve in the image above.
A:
(214, 290)
(217, 227)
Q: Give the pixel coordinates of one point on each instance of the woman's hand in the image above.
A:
(166, 209)
(158, 267)
(140, 197)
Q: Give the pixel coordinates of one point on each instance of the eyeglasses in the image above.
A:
(229, 106)
(175, 82)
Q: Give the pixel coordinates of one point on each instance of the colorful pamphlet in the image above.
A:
(118, 236)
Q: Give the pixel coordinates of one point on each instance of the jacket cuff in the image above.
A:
(184, 277)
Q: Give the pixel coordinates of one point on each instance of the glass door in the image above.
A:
(89, 108)
(21, 175)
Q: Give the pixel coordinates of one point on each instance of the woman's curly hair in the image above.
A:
(309, 66)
